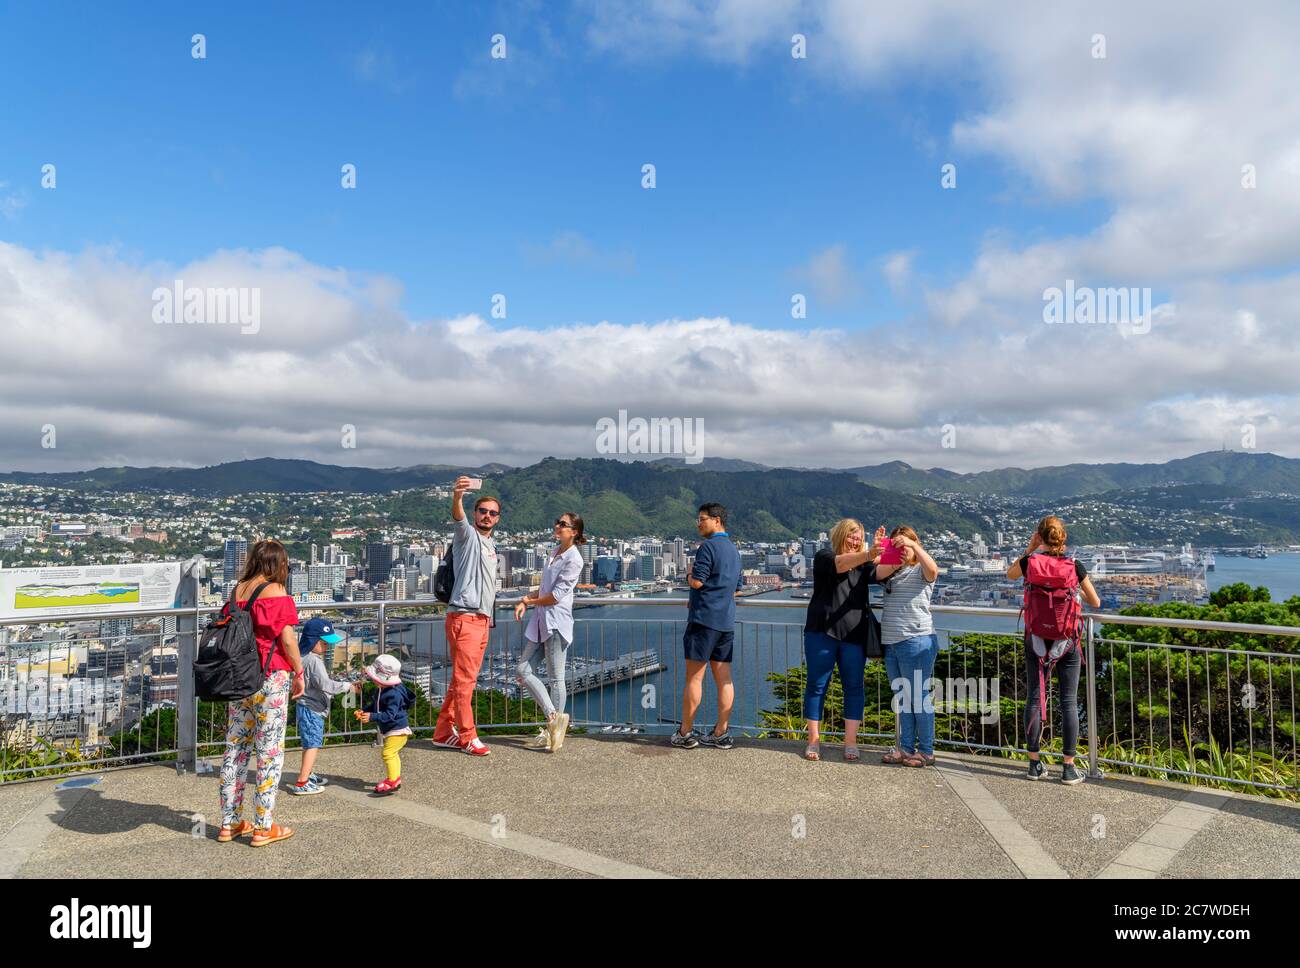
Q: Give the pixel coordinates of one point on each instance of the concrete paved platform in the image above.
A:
(630, 806)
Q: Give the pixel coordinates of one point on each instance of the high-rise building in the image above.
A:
(380, 556)
(236, 556)
(115, 628)
(297, 582)
(605, 570)
(315, 554)
(326, 578)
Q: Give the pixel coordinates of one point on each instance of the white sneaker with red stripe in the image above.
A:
(452, 742)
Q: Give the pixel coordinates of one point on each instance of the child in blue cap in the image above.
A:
(314, 703)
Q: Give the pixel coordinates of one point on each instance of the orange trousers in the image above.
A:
(467, 640)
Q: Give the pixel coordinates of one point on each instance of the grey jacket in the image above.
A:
(318, 687)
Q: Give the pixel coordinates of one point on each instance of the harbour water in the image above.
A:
(1279, 572)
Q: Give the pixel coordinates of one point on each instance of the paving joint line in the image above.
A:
(1030, 858)
(526, 844)
(1156, 847)
(29, 834)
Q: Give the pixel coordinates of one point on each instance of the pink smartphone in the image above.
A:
(475, 484)
(889, 554)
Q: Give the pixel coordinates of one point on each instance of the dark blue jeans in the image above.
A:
(823, 653)
(910, 665)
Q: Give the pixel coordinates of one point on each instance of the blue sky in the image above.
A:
(775, 176)
(469, 168)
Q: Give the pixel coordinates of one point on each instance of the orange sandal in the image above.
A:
(226, 834)
(275, 834)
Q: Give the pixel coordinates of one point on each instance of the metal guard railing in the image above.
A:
(1103, 668)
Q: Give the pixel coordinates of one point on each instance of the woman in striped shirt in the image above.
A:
(907, 633)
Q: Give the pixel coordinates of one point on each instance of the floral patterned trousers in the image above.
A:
(258, 721)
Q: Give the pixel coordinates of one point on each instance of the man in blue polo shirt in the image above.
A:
(710, 626)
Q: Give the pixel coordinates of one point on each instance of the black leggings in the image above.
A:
(1067, 673)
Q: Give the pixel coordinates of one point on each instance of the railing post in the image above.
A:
(383, 635)
(187, 647)
(1094, 751)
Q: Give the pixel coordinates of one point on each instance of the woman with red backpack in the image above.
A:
(1053, 585)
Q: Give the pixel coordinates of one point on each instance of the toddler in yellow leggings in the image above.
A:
(391, 702)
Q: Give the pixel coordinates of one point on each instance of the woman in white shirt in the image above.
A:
(551, 626)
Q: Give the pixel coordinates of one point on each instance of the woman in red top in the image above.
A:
(260, 720)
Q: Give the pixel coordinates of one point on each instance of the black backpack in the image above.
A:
(445, 579)
(228, 667)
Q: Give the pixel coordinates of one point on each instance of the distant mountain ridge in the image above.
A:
(1262, 472)
(262, 474)
(629, 498)
(616, 498)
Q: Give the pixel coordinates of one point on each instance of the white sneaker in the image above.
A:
(452, 742)
(558, 727)
(542, 741)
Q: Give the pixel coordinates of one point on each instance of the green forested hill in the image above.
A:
(618, 498)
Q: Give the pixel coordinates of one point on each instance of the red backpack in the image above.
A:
(1051, 612)
(1051, 609)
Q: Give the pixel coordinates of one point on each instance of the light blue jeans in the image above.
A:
(556, 648)
(910, 665)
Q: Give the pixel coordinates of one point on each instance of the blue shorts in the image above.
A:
(311, 728)
(704, 644)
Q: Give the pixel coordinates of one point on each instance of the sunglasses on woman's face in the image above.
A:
(561, 523)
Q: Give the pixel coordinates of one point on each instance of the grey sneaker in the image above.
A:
(542, 741)
(1070, 776)
(687, 742)
(723, 742)
(1036, 770)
